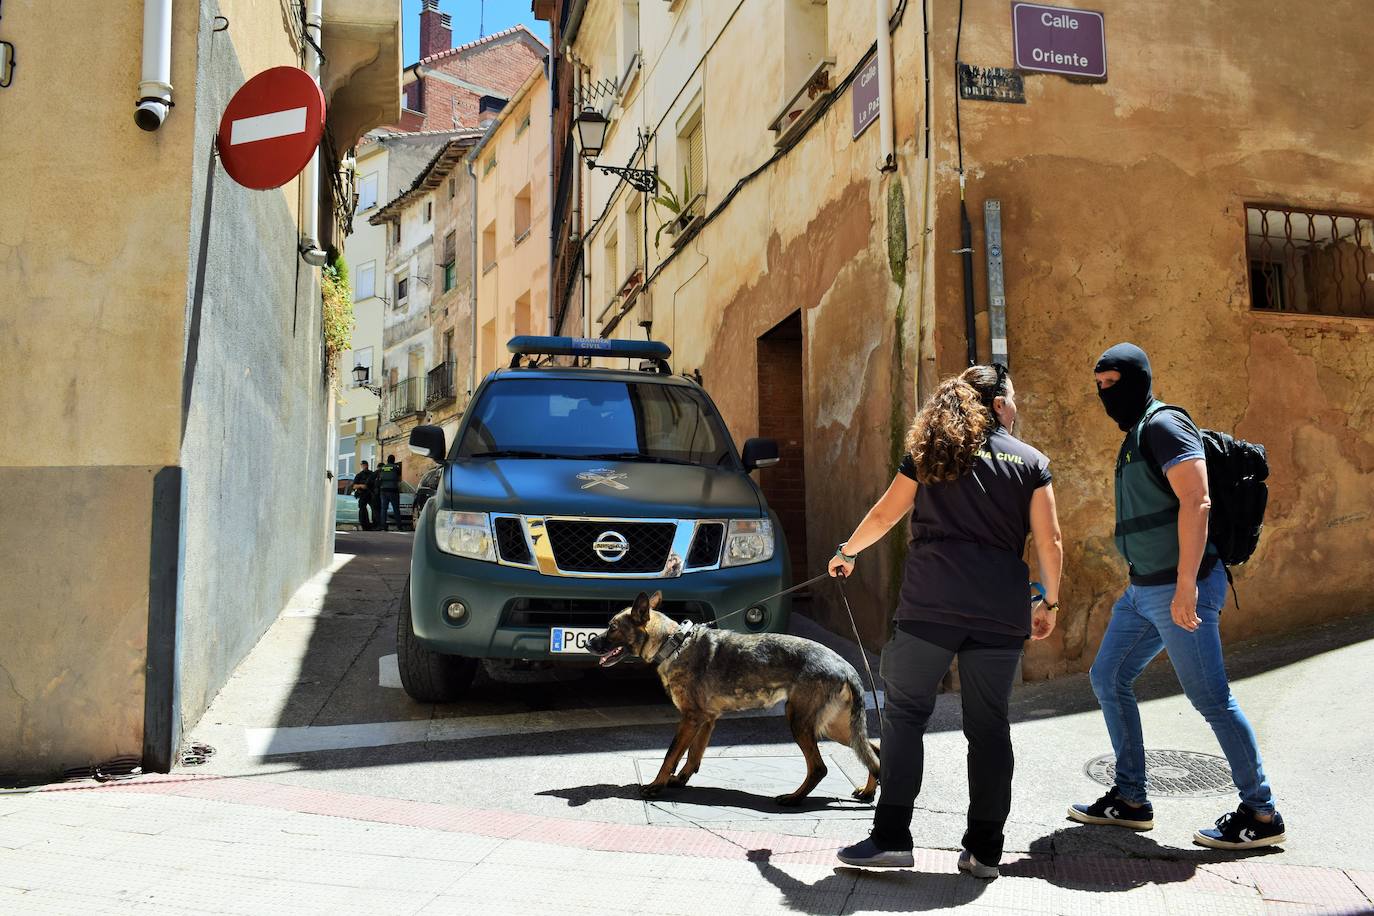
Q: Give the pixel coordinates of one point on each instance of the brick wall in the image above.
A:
(436, 30)
(781, 418)
(502, 66)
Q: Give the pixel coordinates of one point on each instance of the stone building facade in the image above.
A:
(1209, 199)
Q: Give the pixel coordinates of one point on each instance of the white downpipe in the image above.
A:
(310, 178)
(884, 14)
(155, 90)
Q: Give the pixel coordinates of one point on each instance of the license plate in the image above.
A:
(571, 640)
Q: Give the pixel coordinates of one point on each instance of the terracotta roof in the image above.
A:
(506, 33)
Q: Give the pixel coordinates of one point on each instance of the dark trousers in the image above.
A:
(912, 670)
(390, 499)
(364, 510)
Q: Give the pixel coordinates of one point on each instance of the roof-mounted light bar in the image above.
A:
(528, 345)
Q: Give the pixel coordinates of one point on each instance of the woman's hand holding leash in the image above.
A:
(842, 564)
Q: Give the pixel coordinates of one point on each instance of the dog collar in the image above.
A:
(673, 643)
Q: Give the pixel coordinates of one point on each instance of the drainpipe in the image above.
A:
(310, 249)
(155, 90)
(884, 54)
(553, 191)
(472, 293)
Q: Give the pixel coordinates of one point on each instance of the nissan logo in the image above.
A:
(611, 546)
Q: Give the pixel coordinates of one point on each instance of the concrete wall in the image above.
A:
(93, 264)
(1123, 218)
(256, 451)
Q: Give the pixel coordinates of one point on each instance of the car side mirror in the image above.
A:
(428, 442)
(760, 453)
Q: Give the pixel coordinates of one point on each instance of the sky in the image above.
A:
(493, 15)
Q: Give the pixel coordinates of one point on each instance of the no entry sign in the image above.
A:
(271, 128)
(1055, 39)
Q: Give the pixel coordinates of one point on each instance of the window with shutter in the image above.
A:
(696, 161)
(634, 219)
(450, 257)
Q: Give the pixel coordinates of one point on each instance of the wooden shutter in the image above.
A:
(696, 161)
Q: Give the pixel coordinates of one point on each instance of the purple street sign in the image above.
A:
(865, 96)
(1055, 39)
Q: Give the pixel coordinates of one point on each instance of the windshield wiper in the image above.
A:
(517, 453)
(640, 456)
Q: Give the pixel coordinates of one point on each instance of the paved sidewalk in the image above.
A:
(205, 844)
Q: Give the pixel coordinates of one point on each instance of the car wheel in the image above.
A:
(428, 676)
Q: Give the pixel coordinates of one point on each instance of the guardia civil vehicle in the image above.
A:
(570, 489)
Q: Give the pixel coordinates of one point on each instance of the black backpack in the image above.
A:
(1236, 471)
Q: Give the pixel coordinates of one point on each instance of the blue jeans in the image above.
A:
(1141, 625)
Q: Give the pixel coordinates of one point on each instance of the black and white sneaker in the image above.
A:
(1240, 829)
(1112, 810)
(868, 854)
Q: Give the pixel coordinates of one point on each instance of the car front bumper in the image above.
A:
(487, 589)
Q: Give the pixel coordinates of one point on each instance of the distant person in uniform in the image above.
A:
(389, 488)
(362, 490)
(975, 492)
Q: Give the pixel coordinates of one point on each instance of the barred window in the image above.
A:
(1310, 261)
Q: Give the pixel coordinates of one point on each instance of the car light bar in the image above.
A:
(529, 345)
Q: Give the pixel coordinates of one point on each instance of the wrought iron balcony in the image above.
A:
(405, 398)
(439, 385)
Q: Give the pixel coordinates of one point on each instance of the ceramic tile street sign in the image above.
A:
(991, 84)
(1056, 39)
(865, 96)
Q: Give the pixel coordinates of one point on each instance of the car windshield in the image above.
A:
(595, 418)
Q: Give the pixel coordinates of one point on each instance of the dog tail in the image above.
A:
(858, 728)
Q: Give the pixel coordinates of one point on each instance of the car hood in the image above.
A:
(600, 489)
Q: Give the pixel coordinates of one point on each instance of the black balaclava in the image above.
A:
(1127, 399)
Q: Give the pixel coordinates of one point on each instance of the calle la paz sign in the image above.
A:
(1056, 39)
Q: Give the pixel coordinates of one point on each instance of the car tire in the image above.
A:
(428, 676)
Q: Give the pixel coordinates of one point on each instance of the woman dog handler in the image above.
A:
(975, 492)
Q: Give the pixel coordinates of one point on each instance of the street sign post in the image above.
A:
(271, 128)
(1056, 39)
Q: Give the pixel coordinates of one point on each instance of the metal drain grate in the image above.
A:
(1173, 774)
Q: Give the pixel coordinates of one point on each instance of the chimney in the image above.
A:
(436, 29)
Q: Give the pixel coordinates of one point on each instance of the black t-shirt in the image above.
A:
(1171, 436)
(964, 565)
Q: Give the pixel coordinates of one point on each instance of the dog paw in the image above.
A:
(678, 780)
(864, 796)
(789, 800)
(650, 791)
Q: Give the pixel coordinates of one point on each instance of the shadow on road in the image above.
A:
(708, 796)
(888, 891)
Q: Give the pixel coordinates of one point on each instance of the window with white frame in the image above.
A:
(347, 450)
(692, 155)
(629, 41)
(805, 40)
(365, 281)
(367, 191)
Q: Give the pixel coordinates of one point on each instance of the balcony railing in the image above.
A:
(405, 398)
(439, 385)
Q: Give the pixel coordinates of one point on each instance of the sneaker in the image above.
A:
(968, 863)
(1112, 810)
(868, 854)
(1240, 829)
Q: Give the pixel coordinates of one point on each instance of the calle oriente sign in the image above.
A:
(1055, 39)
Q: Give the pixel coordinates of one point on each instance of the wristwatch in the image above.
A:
(839, 552)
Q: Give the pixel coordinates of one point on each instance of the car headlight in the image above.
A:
(748, 540)
(464, 534)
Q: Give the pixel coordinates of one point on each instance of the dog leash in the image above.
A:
(853, 626)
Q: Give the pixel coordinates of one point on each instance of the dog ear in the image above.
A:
(655, 600)
(639, 611)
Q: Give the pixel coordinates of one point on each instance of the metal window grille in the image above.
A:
(1310, 261)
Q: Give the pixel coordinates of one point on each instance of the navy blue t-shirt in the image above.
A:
(964, 565)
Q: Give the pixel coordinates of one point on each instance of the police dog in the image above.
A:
(708, 672)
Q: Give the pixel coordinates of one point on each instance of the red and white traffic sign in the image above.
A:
(271, 128)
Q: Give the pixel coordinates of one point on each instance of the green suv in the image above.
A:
(568, 491)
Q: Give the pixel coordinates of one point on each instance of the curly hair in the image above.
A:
(954, 424)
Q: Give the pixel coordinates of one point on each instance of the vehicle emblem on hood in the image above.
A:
(603, 475)
(611, 546)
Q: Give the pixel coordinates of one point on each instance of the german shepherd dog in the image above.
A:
(709, 672)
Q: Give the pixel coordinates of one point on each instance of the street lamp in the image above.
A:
(360, 375)
(591, 131)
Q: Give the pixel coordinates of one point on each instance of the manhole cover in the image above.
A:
(1174, 774)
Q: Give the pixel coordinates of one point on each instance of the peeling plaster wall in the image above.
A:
(1123, 218)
